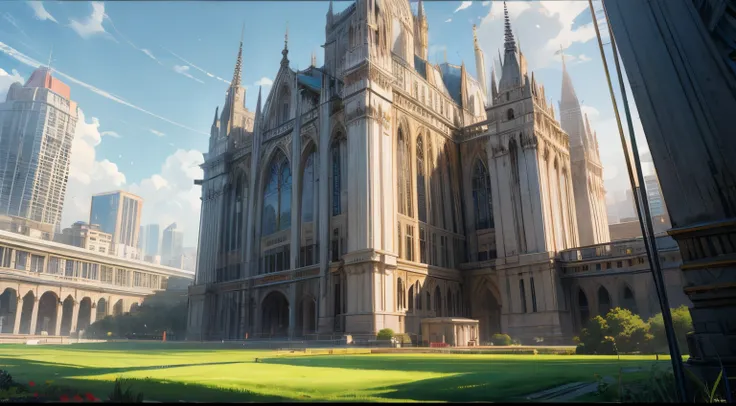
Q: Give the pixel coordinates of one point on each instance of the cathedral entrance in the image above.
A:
(275, 315)
(487, 310)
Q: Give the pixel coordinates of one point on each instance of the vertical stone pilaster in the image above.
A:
(59, 316)
(18, 315)
(34, 316)
(75, 316)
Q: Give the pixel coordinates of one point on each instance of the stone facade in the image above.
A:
(379, 190)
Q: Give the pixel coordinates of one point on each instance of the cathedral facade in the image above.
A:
(380, 189)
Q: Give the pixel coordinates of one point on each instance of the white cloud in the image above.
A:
(169, 195)
(7, 79)
(264, 81)
(584, 58)
(184, 70)
(150, 54)
(592, 112)
(199, 69)
(541, 27)
(463, 6)
(156, 132)
(26, 60)
(485, 3)
(448, 20)
(40, 11)
(112, 134)
(91, 25)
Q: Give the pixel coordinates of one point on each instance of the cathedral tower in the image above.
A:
(587, 171)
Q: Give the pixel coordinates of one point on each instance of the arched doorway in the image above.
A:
(117, 309)
(101, 309)
(307, 316)
(275, 315)
(85, 314)
(47, 313)
(8, 305)
(27, 313)
(604, 302)
(66, 318)
(627, 300)
(583, 309)
(134, 307)
(486, 308)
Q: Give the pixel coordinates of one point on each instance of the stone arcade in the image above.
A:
(380, 190)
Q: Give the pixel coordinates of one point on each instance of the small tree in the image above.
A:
(385, 334)
(627, 329)
(683, 324)
(592, 335)
(501, 339)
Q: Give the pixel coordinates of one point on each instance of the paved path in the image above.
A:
(573, 390)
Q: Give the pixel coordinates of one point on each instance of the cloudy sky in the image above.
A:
(148, 76)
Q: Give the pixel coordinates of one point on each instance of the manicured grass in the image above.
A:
(202, 372)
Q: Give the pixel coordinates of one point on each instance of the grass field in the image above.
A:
(172, 372)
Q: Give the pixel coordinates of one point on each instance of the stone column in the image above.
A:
(93, 313)
(686, 96)
(18, 315)
(59, 317)
(292, 310)
(34, 317)
(75, 317)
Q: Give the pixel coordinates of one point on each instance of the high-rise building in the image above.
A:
(37, 124)
(172, 247)
(87, 236)
(119, 213)
(149, 241)
(654, 196)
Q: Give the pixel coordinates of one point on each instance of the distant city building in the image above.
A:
(87, 236)
(20, 225)
(149, 241)
(654, 196)
(37, 124)
(172, 246)
(190, 259)
(119, 213)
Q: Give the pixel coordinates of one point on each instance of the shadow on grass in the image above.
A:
(66, 375)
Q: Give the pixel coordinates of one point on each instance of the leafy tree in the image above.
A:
(592, 335)
(683, 324)
(628, 330)
(385, 334)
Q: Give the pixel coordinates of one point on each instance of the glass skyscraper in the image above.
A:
(37, 124)
(118, 213)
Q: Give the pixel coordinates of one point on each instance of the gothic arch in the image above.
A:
(628, 299)
(604, 301)
(583, 308)
(485, 306)
(276, 171)
(404, 172)
(275, 314)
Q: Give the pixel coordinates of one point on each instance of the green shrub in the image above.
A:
(385, 334)
(119, 395)
(607, 346)
(592, 335)
(501, 339)
(403, 338)
(683, 324)
(581, 349)
(627, 329)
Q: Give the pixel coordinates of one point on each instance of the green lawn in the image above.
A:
(174, 371)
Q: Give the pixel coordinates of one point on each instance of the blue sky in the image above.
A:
(172, 59)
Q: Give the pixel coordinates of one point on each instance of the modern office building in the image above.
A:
(172, 247)
(37, 123)
(654, 196)
(149, 242)
(119, 213)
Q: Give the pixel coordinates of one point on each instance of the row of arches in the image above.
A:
(48, 313)
(275, 315)
(603, 303)
(420, 297)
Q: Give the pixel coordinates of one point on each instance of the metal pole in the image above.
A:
(642, 206)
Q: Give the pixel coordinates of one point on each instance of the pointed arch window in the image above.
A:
(277, 197)
(399, 294)
(411, 299)
(421, 182)
(418, 290)
(338, 158)
(308, 253)
(482, 197)
(451, 182)
(437, 302)
(404, 175)
(522, 295)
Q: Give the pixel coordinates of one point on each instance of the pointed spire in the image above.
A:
(217, 113)
(475, 37)
(314, 59)
(285, 52)
(509, 44)
(420, 10)
(330, 9)
(51, 53)
(238, 67)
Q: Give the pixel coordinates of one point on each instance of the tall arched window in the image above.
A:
(604, 302)
(437, 302)
(451, 183)
(522, 295)
(277, 197)
(418, 290)
(411, 299)
(399, 294)
(336, 154)
(308, 252)
(421, 185)
(583, 307)
(404, 175)
(482, 197)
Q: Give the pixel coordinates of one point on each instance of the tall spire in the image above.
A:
(285, 52)
(420, 10)
(509, 44)
(480, 63)
(238, 66)
(51, 53)
(217, 113)
(314, 59)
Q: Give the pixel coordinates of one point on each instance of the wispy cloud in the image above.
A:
(112, 134)
(485, 3)
(150, 54)
(184, 70)
(213, 76)
(156, 132)
(264, 81)
(463, 6)
(145, 51)
(26, 60)
(91, 25)
(584, 58)
(448, 20)
(40, 11)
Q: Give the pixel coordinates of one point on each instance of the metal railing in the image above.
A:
(615, 249)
